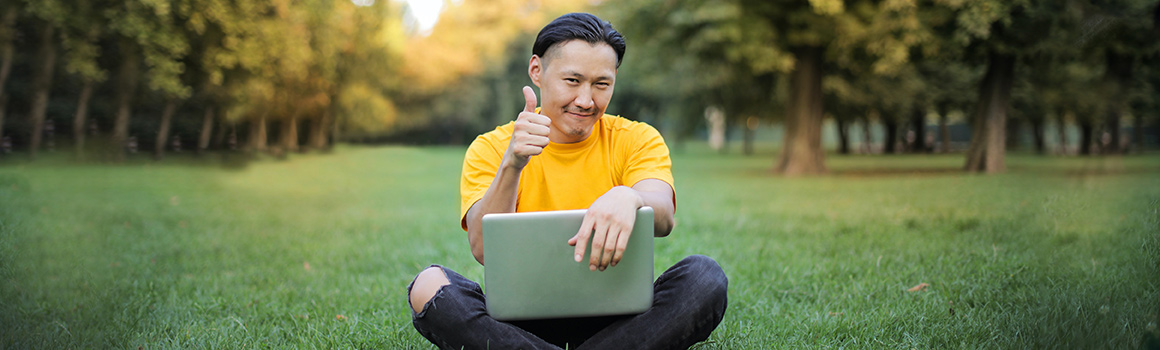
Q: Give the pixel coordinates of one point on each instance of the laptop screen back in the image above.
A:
(530, 271)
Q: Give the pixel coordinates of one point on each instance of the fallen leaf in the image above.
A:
(920, 287)
(837, 313)
(306, 266)
(340, 317)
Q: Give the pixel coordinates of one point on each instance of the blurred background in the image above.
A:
(108, 80)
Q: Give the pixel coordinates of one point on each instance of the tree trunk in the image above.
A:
(219, 135)
(802, 153)
(986, 152)
(126, 89)
(944, 131)
(1061, 128)
(6, 54)
(319, 132)
(918, 125)
(258, 134)
(843, 135)
(1118, 75)
(1087, 131)
(80, 118)
(289, 136)
(1113, 127)
(890, 143)
(206, 131)
(1037, 135)
(867, 141)
(163, 131)
(41, 87)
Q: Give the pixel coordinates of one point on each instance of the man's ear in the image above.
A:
(535, 68)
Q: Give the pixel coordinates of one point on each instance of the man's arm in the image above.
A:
(611, 217)
(529, 137)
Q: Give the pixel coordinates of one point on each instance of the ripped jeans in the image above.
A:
(688, 303)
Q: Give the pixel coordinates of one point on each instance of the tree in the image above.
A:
(8, 14)
(80, 38)
(49, 15)
(799, 39)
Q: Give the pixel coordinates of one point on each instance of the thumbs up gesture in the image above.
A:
(530, 135)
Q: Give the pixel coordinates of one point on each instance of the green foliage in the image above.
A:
(1058, 253)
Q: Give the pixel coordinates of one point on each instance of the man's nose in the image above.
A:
(584, 98)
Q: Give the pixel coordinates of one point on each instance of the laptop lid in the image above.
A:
(530, 271)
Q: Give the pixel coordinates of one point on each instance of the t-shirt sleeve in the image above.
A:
(649, 159)
(480, 164)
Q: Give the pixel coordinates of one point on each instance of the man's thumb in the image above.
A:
(529, 99)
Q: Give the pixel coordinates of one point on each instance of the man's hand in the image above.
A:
(530, 135)
(609, 222)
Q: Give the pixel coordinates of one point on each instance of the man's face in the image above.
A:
(576, 81)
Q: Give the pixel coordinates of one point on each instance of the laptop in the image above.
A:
(530, 271)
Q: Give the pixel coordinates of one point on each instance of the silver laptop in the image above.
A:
(530, 271)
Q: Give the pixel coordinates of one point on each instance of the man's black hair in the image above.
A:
(583, 26)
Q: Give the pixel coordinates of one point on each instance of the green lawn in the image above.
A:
(315, 252)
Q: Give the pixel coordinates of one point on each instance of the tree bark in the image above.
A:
(802, 153)
(319, 131)
(944, 131)
(890, 143)
(843, 135)
(126, 89)
(206, 131)
(80, 118)
(41, 87)
(289, 136)
(258, 134)
(986, 152)
(163, 131)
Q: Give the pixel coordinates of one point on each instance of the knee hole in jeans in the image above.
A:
(426, 284)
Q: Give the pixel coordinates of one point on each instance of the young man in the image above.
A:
(568, 154)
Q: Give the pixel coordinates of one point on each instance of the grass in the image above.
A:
(315, 252)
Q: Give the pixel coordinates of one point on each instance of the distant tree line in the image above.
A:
(116, 76)
(1001, 62)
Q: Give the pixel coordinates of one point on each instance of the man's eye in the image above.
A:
(572, 80)
(602, 85)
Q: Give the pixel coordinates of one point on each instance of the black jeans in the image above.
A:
(688, 303)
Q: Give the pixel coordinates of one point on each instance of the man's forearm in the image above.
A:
(499, 198)
(658, 195)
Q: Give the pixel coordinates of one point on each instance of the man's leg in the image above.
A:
(688, 303)
(455, 315)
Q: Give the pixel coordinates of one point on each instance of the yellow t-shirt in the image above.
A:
(569, 176)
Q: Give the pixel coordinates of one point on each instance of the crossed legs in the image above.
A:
(689, 302)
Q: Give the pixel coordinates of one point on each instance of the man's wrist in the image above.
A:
(513, 163)
(638, 199)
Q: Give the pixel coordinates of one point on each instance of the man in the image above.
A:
(568, 154)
